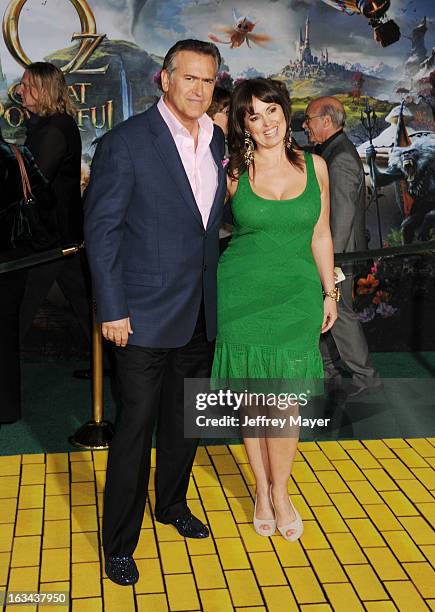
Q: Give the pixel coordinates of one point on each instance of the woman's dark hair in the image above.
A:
(221, 99)
(266, 90)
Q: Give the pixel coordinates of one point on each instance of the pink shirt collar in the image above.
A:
(177, 128)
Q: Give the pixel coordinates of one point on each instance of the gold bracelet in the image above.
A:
(334, 294)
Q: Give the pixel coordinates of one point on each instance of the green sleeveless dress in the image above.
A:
(270, 303)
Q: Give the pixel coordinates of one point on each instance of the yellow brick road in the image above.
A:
(368, 508)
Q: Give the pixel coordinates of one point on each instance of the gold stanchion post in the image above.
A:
(97, 433)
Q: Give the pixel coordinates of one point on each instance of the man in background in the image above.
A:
(324, 121)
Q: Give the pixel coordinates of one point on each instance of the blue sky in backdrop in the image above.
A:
(47, 25)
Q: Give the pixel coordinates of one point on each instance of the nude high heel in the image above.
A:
(296, 526)
(259, 522)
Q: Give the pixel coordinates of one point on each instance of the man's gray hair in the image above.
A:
(337, 114)
(197, 46)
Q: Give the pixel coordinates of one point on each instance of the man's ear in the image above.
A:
(327, 121)
(164, 78)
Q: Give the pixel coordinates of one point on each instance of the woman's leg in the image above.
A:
(256, 449)
(281, 454)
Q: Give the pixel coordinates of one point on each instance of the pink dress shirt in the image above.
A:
(199, 165)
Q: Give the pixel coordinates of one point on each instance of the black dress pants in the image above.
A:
(150, 385)
(12, 286)
(72, 276)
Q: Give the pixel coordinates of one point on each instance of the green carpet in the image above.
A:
(55, 405)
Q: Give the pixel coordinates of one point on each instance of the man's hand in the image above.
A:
(117, 331)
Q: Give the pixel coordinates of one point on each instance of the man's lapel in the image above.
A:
(216, 208)
(169, 155)
(336, 143)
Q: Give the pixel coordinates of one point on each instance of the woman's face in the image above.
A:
(28, 93)
(221, 119)
(267, 125)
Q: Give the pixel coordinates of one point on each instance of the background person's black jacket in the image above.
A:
(12, 284)
(56, 146)
(55, 143)
(12, 192)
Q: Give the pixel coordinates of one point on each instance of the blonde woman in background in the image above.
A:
(54, 140)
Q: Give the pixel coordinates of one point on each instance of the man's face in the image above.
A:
(28, 93)
(189, 88)
(314, 125)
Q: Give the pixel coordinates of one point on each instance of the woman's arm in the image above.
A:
(40, 187)
(48, 150)
(321, 245)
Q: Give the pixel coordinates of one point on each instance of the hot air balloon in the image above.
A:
(385, 31)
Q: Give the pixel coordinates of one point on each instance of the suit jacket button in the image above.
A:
(205, 268)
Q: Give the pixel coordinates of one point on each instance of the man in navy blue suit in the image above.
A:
(152, 217)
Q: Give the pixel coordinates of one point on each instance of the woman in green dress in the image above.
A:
(270, 306)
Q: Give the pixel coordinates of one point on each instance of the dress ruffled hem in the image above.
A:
(237, 365)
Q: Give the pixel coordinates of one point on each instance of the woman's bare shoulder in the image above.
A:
(321, 170)
(319, 164)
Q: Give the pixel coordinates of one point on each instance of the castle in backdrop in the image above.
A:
(306, 65)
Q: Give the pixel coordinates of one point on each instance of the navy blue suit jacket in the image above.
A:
(150, 257)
